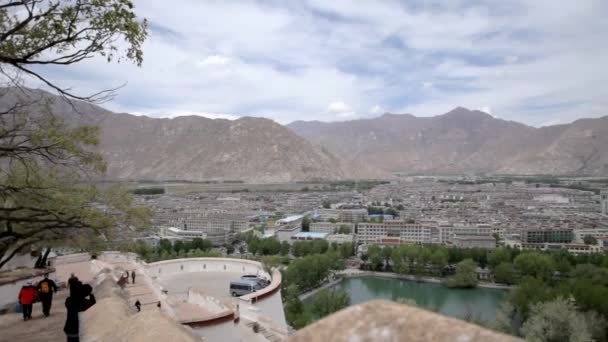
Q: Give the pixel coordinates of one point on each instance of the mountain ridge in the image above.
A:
(465, 141)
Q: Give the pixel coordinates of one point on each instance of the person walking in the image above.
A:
(27, 296)
(133, 277)
(138, 305)
(73, 279)
(81, 298)
(127, 276)
(46, 287)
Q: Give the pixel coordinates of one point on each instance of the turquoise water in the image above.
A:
(479, 303)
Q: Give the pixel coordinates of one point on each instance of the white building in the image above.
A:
(394, 230)
(340, 238)
(344, 215)
(173, 233)
(218, 227)
(447, 232)
(474, 241)
(331, 228)
(598, 233)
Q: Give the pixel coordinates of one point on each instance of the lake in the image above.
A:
(479, 303)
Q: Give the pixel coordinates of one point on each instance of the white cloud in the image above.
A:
(529, 61)
(486, 109)
(214, 60)
(377, 110)
(338, 107)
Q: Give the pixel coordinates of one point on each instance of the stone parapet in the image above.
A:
(389, 321)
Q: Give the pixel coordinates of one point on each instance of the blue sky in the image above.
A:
(539, 62)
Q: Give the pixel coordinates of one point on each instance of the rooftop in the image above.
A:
(310, 235)
(289, 219)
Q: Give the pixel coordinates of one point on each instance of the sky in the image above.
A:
(540, 62)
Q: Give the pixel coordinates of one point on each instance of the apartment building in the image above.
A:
(331, 228)
(343, 215)
(447, 232)
(604, 202)
(474, 241)
(547, 236)
(394, 230)
(598, 233)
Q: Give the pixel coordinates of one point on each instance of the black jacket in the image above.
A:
(50, 285)
(74, 306)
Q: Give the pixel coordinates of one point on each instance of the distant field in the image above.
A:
(175, 187)
(183, 188)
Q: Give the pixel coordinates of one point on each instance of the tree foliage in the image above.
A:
(328, 301)
(45, 183)
(465, 275)
(559, 320)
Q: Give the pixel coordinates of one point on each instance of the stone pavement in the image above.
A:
(39, 328)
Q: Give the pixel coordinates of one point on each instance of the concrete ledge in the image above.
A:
(389, 321)
(274, 286)
(111, 319)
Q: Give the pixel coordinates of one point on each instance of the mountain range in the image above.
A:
(465, 141)
(252, 149)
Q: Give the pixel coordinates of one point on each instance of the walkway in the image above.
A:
(39, 328)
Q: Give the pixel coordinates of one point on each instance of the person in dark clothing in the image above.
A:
(138, 305)
(71, 280)
(158, 305)
(133, 277)
(127, 276)
(27, 296)
(46, 287)
(81, 298)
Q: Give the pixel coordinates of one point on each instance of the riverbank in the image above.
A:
(353, 273)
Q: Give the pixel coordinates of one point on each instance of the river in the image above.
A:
(479, 303)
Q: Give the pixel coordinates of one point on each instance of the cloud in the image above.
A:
(213, 61)
(340, 109)
(377, 110)
(529, 61)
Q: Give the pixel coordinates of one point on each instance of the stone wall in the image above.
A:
(389, 321)
(169, 267)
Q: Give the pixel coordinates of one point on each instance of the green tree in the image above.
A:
(45, 188)
(328, 301)
(375, 257)
(529, 292)
(347, 250)
(505, 273)
(202, 244)
(391, 211)
(589, 240)
(326, 204)
(465, 275)
(306, 224)
(165, 245)
(499, 256)
(285, 248)
(344, 229)
(178, 246)
(559, 320)
(535, 264)
(253, 246)
(386, 255)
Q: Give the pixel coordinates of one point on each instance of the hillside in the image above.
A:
(465, 141)
(196, 148)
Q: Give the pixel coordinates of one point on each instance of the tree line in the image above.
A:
(555, 293)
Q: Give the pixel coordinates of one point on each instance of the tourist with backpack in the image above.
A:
(46, 288)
